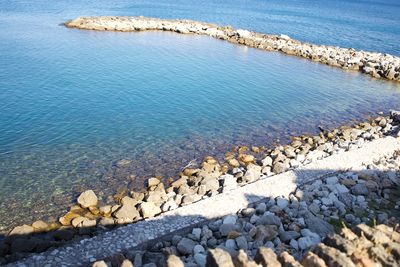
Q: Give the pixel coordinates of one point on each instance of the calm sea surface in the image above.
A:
(73, 103)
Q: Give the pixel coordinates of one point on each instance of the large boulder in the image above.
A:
(253, 173)
(186, 246)
(149, 209)
(87, 199)
(127, 212)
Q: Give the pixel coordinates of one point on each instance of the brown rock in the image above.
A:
(40, 226)
(333, 256)
(287, 260)
(266, 257)
(312, 260)
(246, 158)
(149, 209)
(233, 162)
(174, 261)
(218, 258)
(242, 260)
(22, 230)
(87, 199)
(152, 182)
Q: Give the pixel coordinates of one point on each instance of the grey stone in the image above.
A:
(360, 189)
(286, 236)
(186, 246)
(226, 228)
(269, 219)
(319, 226)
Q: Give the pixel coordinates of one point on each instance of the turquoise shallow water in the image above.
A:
(73, 103)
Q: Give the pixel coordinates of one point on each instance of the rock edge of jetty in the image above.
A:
(377, 65)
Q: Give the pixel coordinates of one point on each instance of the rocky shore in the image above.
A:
(350, 197)
(377, 65)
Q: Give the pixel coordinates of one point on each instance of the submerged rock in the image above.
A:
(87, 199)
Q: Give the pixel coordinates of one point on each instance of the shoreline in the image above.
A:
(89, 218)
(377, 65)
(228, 219)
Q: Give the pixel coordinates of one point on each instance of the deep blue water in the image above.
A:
(73, 103)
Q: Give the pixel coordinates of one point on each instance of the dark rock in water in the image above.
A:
(87, 199)
(319, 226)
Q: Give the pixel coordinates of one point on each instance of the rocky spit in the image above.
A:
(377, 65)
(307, 189)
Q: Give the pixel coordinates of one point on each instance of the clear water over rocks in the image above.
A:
(74, 103)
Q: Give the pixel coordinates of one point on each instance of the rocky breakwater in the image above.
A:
(310, 228)
(377, 65)
(342, 197)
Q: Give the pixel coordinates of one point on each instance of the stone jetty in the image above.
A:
(377, 65)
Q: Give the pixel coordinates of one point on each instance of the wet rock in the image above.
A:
(87, 199)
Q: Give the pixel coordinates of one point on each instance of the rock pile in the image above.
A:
(339, 197)
(375, 64)
(294, 228)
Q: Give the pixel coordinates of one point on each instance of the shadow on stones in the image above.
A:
(378, 189)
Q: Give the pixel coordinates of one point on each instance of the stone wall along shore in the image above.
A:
(377, 65)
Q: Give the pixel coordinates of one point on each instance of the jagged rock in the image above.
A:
(241, 260)
(333, 256)
(219, 258)
(186, 246)
(266, 258)
(100, 264)
(174, 261)
(319, 226)
(127, 212)
(149, 209)
(253, 173)
(87, 199)
(22, 230)
(312, 260)
(288, 260)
